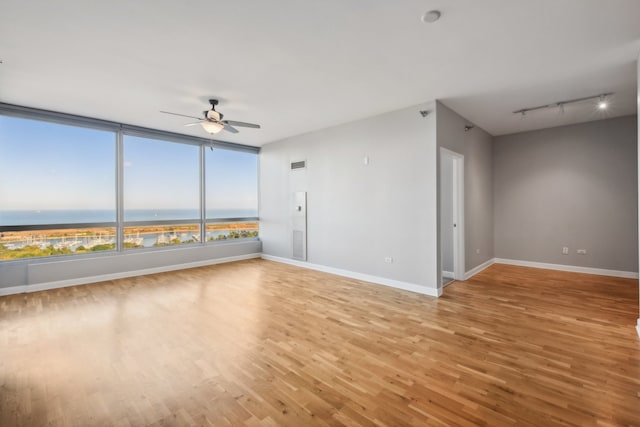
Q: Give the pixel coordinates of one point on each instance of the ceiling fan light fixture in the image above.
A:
(212, 127)
(211, 120)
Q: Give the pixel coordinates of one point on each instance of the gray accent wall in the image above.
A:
(573, 186)
(359, 214)
(476, 147)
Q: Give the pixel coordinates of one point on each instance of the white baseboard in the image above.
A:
(571, 268)
(448, 274)
(13, 290)
(488, 263)
(120, 275)
(434, 292)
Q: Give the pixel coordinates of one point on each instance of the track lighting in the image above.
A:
(602, 103)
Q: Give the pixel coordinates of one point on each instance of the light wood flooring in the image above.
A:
(258, 343)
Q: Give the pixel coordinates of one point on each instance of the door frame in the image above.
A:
(458, 212)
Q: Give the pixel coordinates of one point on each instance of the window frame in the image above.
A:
(120, 130)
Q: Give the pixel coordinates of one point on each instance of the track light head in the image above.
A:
(603, 104)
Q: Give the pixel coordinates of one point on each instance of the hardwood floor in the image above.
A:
(258, 343)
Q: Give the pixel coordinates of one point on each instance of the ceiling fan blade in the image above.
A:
(181, 115)
(230, 128)
(194, 123)
(241, 124)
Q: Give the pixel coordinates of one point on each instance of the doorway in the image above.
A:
(451, 216)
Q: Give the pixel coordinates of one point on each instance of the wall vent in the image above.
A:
(302, 164)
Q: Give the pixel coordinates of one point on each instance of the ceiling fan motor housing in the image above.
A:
(213, 114)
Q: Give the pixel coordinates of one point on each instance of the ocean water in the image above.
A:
(78, 216)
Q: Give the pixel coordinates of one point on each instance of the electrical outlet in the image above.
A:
(388, 260)
(565, 250)
(582, 251)
(477, 251)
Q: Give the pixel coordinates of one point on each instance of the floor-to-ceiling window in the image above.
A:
(161, 192)
(71, 186)
(231, 194)
(57, 189)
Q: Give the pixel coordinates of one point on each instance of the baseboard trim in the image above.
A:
(448, 274)
(477, 269)
(13, 290)
(120, 275)
(433, 292)
(570, 268)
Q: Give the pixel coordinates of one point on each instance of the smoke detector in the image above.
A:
(431, 16)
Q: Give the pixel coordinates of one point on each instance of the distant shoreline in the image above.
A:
(17, 236)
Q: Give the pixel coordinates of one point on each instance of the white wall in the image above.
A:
(359, 214)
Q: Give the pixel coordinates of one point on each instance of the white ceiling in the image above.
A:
(297, 66)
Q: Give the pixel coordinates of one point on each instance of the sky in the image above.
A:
(51, 166)
(46, 166)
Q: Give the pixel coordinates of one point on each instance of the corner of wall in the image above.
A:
(475, 144)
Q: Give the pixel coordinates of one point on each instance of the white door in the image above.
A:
(452, 214)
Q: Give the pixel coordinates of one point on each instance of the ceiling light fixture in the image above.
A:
(431, 16)
(212, 127)
(602, 103)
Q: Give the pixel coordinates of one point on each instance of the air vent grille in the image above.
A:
(298, 165)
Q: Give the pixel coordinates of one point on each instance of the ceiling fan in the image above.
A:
(212, 121)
